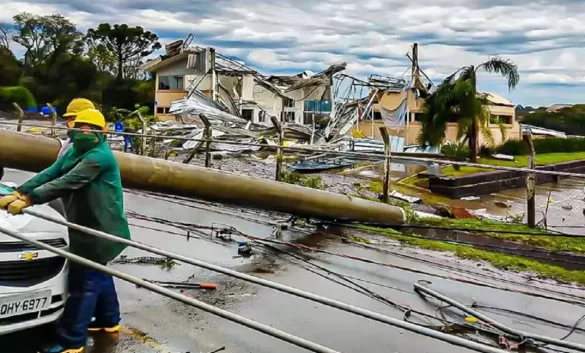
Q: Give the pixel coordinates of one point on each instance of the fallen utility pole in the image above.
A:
(506, 329)
(35, 153)
(280, 287)
(399, 156)
(297, 341)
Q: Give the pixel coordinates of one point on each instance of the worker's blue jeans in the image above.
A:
(91, 294)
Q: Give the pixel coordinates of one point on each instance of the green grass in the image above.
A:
(520, 161)
(508, 262)
(554, 243)
(451, 172)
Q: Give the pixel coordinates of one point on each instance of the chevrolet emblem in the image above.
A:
(28, 256)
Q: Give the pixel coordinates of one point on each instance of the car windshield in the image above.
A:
(5, 190)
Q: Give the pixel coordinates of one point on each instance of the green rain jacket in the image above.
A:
(89, 185)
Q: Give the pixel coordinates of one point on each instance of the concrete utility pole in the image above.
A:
(213, 74)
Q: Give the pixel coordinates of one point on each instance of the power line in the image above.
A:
(283, 288)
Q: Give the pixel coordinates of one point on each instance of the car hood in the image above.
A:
(28, 224)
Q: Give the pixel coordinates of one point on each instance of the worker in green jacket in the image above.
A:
(87, 178)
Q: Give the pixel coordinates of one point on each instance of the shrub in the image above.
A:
(456, 151)
(487, 151)
(18, 94)
(546, 145)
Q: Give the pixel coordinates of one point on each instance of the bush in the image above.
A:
(313, 182)
(487, 151)
(18, 94)
(456, 151)
(546, 145)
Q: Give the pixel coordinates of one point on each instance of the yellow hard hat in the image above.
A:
(77, 105)
(92, 117)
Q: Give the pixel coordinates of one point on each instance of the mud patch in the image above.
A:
(229, 294)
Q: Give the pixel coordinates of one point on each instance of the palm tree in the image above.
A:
(457, 100)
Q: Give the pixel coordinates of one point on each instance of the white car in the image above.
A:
(33, 282)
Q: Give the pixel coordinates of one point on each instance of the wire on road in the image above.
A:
(297, 341)
(509, 330)
(458, 341)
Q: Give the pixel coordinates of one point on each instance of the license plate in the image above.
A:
(24, 303)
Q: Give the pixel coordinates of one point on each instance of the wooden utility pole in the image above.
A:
(414, 72)
(279, 155)
(387, 161)
(207, 136)
(20, 116)
(530, 180)
(53, 119)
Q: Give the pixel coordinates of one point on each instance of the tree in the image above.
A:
(45, 38)
(102, 58)
(10, 69)
(127, 44)
(4, 37)
(457, 100)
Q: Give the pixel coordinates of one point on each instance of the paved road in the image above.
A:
(156, 324)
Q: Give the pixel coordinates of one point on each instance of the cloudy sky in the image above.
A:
(544, 38)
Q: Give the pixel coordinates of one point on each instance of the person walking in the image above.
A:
(87, 178)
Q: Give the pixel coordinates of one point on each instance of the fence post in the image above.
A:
(20, 116)
(144, 132)
(279, 154)
(530, 181)
(53, 119)
(207, 136)
(387, 161)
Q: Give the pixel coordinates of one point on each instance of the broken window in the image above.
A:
(287, 117)
(169, 83)
(262, 116)
(377, 116)
(248, 114)
(317, 106)
(308, 118)
(418, 116)
(162, 110)
(501, 119)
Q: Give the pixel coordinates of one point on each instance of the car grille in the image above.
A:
(16, 246)
(29, 273)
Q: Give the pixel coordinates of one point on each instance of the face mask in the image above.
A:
(84, 142)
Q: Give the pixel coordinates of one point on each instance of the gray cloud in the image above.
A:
(545, 37)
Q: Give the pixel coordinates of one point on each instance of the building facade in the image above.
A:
(242, 90)
(503, 115)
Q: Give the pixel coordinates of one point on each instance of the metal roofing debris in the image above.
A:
(199, 103)
(542, 131)
(323, 78)
(388, 83)
(496, 99)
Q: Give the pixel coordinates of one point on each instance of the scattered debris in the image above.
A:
(183, 285)
(459, 212)
(503, 204)
(244, 249)
(470, 198)
(503, 157)
(567, 207)
(410, 199)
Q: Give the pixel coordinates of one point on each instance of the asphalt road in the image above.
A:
(156, 324)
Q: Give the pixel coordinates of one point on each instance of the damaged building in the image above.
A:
(190, 72)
